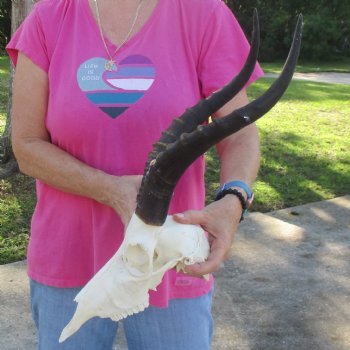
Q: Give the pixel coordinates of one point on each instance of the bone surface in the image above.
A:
(121, 287)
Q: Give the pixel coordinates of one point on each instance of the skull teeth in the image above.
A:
(138, 308)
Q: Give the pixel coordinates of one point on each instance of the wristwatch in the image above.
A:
(231, 188)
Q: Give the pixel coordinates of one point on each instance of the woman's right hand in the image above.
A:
(121, 193)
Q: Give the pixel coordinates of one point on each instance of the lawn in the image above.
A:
(305, 146)
(340, 66)
(305, 157)
(4, 81)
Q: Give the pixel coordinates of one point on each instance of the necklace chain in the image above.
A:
(109, 65)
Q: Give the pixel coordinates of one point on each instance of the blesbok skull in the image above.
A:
(153, 242)
(121, 287)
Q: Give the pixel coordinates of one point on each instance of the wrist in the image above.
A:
(103, 187)
(241, 191)
(232, 207)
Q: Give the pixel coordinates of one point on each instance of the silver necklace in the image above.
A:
(109, 64)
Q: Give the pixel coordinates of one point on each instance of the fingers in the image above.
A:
(220, 237)
(216, 257)
(190, 217)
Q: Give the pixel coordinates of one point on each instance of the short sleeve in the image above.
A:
(224, 50)
(29, 39)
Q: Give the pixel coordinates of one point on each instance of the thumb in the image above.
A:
(193, 217)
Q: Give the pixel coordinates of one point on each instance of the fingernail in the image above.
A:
(180, 215)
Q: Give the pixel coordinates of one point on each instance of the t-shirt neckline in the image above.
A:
(134, 37)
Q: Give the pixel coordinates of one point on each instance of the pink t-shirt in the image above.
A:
(110, 120)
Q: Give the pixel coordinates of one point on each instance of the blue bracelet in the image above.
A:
(227, 189)
(239, 184)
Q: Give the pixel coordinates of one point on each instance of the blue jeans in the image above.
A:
(186, 324)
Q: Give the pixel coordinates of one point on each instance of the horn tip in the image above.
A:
(255, 15)
(299, 22)
(299, 26)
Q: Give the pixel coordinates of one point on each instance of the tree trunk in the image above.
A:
(8, 164)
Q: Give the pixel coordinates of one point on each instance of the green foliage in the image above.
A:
(4, 93)
(320, 34)
(5, 23)
(326, 26)
(14, 247)
(17, 200)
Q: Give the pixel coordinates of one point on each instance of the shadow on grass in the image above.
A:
(287, 178)
(298, 167)
(301, 177)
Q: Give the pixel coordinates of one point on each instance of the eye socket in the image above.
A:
(136, 258)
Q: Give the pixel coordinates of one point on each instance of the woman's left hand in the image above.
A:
(220, 219)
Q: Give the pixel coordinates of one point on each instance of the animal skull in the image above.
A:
(121, 287)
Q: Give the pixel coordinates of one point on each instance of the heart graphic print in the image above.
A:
(115, 91)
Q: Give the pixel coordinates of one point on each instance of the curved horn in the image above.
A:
(265, 102)
(200, 113)
(164, 172)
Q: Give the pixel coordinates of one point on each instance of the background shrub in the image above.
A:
(326, 27)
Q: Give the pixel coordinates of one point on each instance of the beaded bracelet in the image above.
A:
(236, 193)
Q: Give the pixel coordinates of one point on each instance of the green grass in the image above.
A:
(305, 146)
(305, 157)
(17, 200)
(4, 83)
(341, 66)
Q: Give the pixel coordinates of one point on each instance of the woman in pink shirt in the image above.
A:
(96, 83)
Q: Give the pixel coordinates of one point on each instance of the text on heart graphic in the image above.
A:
(115, 91)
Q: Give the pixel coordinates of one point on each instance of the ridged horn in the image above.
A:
(200, 113)
(163, 173)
